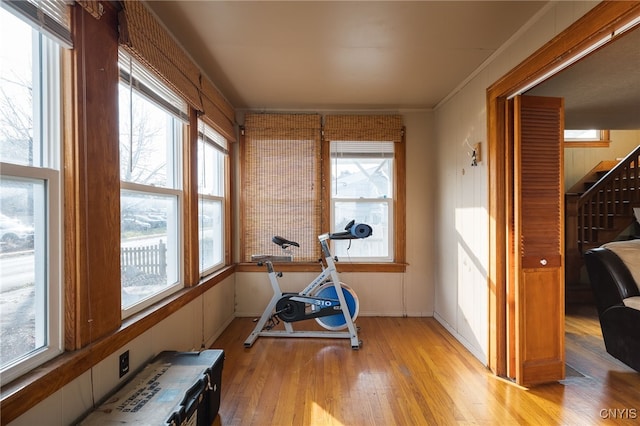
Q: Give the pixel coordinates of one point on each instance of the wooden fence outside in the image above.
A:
(150, 260)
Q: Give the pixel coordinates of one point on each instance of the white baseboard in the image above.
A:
(361, 314)
(219, 331)
(474, 351)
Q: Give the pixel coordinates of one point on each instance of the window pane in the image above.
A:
(16, 92)
(582, 134)
(212, 152)
(150, 171)
(149, 245)
(23, 282)
(211, 233)
(148, 137)
(210, 170)
(362, 190)
(375, 214)
(361, 178)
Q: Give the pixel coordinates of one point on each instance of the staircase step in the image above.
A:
(589, 183)
(630, 188)
(614, 227)
(610, 202)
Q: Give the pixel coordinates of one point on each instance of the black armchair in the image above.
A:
(612, 283)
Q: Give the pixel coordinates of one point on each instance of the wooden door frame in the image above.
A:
(602, 20)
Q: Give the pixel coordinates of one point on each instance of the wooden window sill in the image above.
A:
(315, 267)
(587, 144)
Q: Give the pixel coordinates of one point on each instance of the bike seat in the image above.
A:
(283, 242)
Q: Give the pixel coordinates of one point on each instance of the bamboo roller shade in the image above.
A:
(94, 7)
(281, 183)
(363, 128)
(147, 40)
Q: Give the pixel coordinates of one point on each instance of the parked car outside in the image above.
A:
(153, 221)
(14, 234)
(130, 223)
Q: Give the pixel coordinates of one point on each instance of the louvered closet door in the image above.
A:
(538, 239)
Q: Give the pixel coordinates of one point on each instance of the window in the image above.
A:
(30, 235)
(367, 183)
(301, 178)
(151, 134)
(212, 160)
(362, 190)
(586, 138)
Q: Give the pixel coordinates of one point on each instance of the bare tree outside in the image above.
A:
(16, 119)
(139, 135)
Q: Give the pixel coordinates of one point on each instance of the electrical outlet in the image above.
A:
(124, 363)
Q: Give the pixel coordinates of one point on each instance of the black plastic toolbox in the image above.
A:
(175, 388)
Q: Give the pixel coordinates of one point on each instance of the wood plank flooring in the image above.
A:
(411, 371)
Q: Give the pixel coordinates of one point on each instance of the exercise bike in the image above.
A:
(331, 303)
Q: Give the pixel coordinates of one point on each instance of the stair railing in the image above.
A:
(614, 195)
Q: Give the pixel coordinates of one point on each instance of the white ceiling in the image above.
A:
(602, 91)
(384, 55)
(322, 55)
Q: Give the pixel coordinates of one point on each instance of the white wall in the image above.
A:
(461, 239)
(381, 294)
(203, 319)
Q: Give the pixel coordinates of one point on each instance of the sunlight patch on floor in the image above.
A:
(319, 416)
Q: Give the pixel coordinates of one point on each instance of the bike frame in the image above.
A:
(328, 272)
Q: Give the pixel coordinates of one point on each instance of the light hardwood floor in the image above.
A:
(411, 371)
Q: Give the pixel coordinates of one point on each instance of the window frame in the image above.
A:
(602, 142)
(148, 87)
(52, 289)
(389, 201)
(204, 132)
(45, 168)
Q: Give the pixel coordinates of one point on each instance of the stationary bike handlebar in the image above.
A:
(353, 231)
